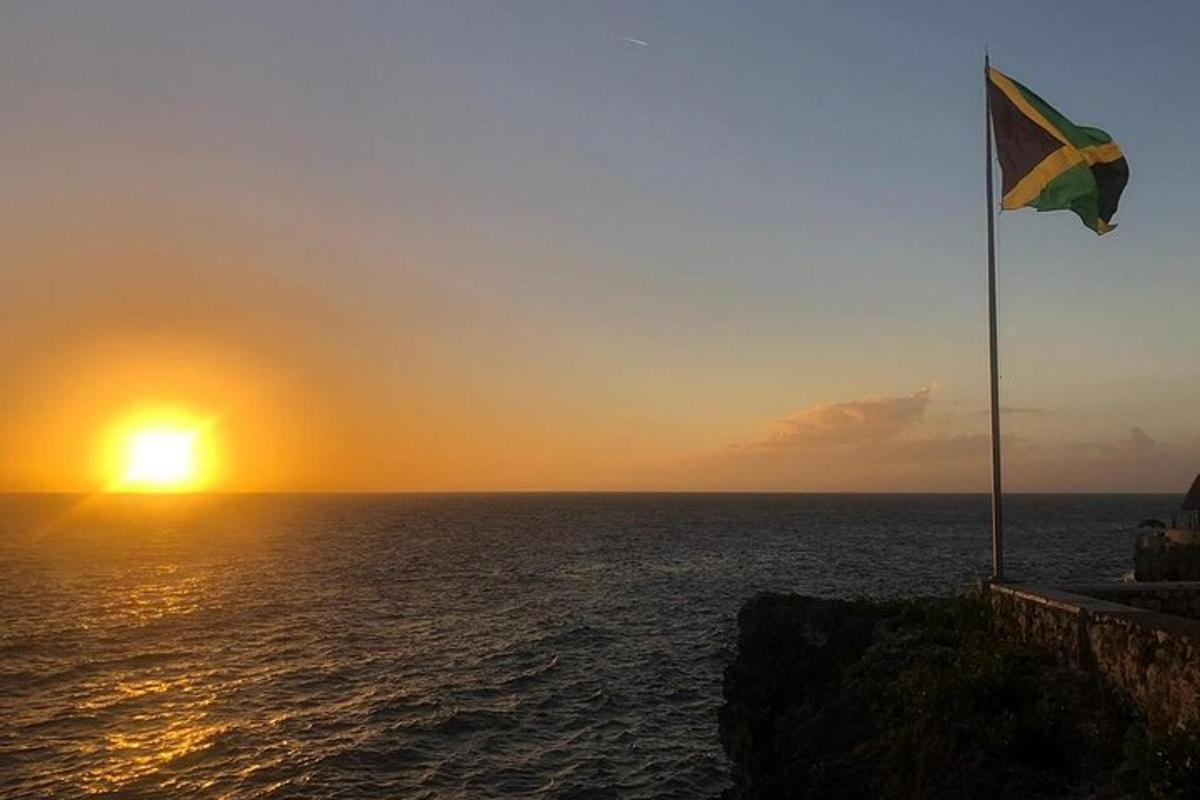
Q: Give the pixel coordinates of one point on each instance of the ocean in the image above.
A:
(444, 646)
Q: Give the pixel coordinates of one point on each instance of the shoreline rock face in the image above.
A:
(917, 699)
(1167, 555)
(790, 648)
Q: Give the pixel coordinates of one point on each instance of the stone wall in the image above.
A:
(1149, 657)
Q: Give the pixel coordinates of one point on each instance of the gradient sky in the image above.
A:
(419, 245)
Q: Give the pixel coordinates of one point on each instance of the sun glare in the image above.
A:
(161, 458)
(151, 454)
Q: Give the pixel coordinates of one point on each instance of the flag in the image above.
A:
(1049, 163)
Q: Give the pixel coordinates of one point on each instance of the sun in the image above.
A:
(162, 458)
(160, 453)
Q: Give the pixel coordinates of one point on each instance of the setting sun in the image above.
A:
(161, 458)
(160, 452)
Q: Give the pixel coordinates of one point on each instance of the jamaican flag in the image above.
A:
(1050, 163)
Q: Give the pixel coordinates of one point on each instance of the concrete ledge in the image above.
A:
(1062, 599)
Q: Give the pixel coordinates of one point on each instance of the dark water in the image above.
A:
(442, 646)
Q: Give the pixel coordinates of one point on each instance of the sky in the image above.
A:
(582, 245)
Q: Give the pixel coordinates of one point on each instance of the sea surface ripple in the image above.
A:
(439, 646)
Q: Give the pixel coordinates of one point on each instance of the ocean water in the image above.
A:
(443, 646)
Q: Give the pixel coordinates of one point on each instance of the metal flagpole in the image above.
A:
(997, 497)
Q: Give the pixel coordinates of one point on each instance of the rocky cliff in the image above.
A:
(832, 699)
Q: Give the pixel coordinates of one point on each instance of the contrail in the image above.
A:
(632, 40)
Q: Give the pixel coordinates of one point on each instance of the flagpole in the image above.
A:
(997, 497)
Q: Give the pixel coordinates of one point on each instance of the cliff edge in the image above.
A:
(917, 699)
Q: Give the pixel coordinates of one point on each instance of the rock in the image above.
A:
(1167, 555)
(789, 648)
(837, 700)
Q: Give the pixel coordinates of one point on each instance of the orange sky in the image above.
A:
(316, 390)
(436, 249)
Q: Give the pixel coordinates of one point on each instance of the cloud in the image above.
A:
(904, 444)
(1136, 462)
(869, 419)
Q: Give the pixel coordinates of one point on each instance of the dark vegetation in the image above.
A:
(916, 699)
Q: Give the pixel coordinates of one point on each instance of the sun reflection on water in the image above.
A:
(161, 719)
(149, 743)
